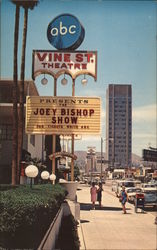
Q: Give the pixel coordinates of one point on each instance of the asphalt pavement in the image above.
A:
(108, 228)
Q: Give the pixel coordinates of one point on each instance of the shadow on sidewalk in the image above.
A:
(88, 207)
(85, 206)
(84, 221)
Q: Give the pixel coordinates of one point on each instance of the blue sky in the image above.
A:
(124, 35)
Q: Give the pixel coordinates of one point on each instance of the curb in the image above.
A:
(81, 237)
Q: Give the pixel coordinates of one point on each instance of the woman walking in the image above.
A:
(93, 192)
(123, 199)
(99, 194)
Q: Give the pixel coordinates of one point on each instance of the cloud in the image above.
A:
(145, 113)
(145, 136)
(144, 128)
(91, 138)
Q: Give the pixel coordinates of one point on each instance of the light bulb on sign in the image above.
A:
(64, 81)
(84, 81)
(44, 81)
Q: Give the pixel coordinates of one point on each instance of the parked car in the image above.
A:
(150, 196)
(125, 183)
(148, 185)
(132, 193)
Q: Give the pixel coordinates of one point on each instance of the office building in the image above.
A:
(119, 125)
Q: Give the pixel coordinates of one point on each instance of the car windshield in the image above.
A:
(131, 190)
(138, 190)
(149, 185)
(151, 192)
(129, 184)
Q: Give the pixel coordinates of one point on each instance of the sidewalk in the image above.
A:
(109, 228)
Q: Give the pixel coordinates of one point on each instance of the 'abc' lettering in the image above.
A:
(63, 30)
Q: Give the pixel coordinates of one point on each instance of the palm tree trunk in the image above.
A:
(15, 86)
(22, 97)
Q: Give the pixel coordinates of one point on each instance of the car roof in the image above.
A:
(149, 189)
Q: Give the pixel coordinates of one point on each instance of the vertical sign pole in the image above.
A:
(54, 136)
(101, 158)
(72, 145)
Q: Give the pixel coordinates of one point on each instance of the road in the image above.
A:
(109, 229)
(148, 209)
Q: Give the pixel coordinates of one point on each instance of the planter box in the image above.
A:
(49, 239)
(71, 187)
(51, 235)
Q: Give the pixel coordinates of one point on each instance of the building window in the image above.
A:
(5, 132)
(32, 140)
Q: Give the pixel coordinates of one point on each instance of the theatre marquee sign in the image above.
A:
(73, 63)
(63, 115)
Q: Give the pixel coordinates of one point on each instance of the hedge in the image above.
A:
(25, 214)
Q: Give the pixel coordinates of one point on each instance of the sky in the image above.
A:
(124, 35)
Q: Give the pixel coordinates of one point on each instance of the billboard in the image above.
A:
(63, 115)
(150, 155)
(73, 63)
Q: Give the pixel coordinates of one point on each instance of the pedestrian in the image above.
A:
(93, 192)
(99, 194)
(123, 199)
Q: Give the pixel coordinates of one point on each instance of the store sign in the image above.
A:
(56, 63)
(65, 32)
(62, 115)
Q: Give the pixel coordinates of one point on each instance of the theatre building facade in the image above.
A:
(6, 120)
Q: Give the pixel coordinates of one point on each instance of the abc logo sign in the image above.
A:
(65, 32)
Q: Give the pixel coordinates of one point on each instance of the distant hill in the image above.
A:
(136, 158)
(81, 157)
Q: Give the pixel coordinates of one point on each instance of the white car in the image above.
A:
(147, 185)
(131, 192)
(126, 183)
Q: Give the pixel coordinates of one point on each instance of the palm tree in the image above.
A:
(18, 133)
(26, 5)
(15, 84)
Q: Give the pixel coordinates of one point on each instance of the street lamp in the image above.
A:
(52, 178)
(102, 140)
(45, 175)
(31, 171)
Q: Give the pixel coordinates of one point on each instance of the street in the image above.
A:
(109, 228)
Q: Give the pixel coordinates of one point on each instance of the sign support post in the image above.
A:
(72, 141)
(54, 136)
